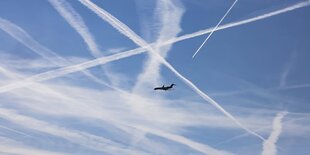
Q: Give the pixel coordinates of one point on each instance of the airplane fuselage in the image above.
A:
(164, 88)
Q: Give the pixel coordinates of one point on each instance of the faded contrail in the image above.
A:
(24, 38)
(19, 132)
(69, 69)
(287, 69)
(214, 28)
(125, 30)
(77, 23)
(82, 66)
(197, 146)
(269, 146)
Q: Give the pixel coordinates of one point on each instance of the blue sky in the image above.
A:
(77, 77)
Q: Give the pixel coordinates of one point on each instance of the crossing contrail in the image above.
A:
(242, 22)
(24, 38)
(125, 30)
(92, 63)
(214, 28)
(69, 69)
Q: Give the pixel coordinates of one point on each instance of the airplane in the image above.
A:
(164, 88)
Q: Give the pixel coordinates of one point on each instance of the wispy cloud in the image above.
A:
(88, 109)
(269, 146)
(71, 102)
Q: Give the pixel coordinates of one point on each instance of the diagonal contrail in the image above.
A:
(125, 30)
(82, 66)
(77, 23)
(167, 18)
(242, 22)
(24, 38)
(214, 28)
(92, 63)
(16, 131)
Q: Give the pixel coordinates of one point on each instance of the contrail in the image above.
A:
(69, 69)
(82, 66)
(214, 28)
(125, 30)
(21, 133)
(24, 38)
(168, 15)
(77, 23)
(287, 69)
(269, 146)
(242, 22)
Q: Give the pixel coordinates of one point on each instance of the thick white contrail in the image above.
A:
(125, 30)
(77, 23)
(82, 66)
(214, 28)
(269, 146)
